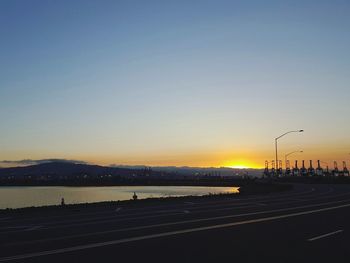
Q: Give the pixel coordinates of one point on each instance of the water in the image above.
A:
(16, 197)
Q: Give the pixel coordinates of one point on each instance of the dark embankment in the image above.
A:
(263, 188)
(315, 179)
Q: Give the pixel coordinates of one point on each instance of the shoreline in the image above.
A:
(249, 189)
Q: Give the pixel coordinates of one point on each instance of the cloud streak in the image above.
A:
(26, 162)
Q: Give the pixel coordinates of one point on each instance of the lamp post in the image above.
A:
(285, 157)
(276, 140)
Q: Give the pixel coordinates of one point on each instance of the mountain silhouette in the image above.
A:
(66, 169)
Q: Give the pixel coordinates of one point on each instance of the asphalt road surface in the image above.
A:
(310, 223)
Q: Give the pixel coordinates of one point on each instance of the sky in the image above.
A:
(185, 83)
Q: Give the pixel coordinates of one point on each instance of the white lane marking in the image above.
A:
(121, 219)
(261, 204)
(33, 228)
(118, 209)
(186, 211)
(165, 234)
(325, 235)
(111, 218)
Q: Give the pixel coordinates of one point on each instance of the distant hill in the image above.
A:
(70, 170)
(79, 174)
(187, 170)
(65, 169)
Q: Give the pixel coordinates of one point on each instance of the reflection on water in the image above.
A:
(15, 197)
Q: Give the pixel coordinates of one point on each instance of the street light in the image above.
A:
(276, 139)
(285, 157)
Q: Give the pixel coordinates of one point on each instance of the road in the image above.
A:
(307, 224)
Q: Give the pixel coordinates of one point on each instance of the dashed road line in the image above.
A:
(325, 235)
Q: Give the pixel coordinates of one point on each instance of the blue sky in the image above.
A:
(173, 82)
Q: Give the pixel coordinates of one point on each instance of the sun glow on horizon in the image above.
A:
(241, 164)
(238, 167)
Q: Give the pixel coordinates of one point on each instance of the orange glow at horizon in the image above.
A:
(242, 164)
(227, 156)
(200, 160)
